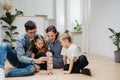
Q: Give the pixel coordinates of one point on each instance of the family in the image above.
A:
(29, 55)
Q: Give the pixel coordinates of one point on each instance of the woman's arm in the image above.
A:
(70, 66)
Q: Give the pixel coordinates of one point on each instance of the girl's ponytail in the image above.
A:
(66, 35)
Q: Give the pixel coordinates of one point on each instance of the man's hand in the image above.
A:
(41, 60)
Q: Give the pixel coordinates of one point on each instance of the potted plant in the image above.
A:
(9, 28)
(116, 41)
(78, 26)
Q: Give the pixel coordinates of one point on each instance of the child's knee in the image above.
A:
(83, 59)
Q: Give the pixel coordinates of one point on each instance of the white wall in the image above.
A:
(35, 7)
(39, 21)
(60, 15)
(104, 14)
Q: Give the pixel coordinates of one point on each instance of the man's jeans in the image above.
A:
(23, 69)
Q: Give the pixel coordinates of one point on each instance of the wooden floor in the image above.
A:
(102, 68)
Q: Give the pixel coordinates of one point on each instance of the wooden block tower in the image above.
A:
(49, 63)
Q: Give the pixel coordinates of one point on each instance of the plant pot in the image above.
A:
(117, 57)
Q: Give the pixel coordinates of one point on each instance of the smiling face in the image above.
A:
(51, 36)
(31, 33)
(64, 43)
(65, 40)
(39, 43)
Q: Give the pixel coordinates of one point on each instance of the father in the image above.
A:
(20, 57)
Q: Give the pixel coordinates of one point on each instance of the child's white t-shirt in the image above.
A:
(71, 51)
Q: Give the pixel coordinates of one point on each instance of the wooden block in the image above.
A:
(49, 59)
(49, 54)
(50, 72)
(49, 67)
(49, 63)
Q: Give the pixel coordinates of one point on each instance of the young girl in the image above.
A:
(73, 60)
(39, 48)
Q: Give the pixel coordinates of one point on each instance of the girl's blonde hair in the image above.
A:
(44, 49)
(67, 36)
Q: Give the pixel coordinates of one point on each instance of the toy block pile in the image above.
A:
(49, 63)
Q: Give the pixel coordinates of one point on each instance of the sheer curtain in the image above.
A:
(73, 12)
(1, 13)
(79, 10)
(0, 32)
(85, 26)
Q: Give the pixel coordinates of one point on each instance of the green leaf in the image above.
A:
(118, 34)
(115, 38)
(111, 30)
(9, 19)
(74, 27)
(5, 40)
(13, 18)
(76, 21)
(7, 33)
(5, 19)
(15, 33)
(5, 26)
(13, 28)
(13, 40)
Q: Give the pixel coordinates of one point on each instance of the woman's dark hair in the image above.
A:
(44, 49)
(29, 25)
(52, 28)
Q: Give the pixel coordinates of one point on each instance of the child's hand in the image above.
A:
(41, 60)
(37, 68)
(66, 72)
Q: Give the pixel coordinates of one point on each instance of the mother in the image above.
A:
(55, 46)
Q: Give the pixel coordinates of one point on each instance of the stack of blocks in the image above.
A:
(49, 63)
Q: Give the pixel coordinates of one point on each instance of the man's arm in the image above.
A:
(22, 57)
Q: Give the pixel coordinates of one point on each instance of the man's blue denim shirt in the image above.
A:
(22, 48)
